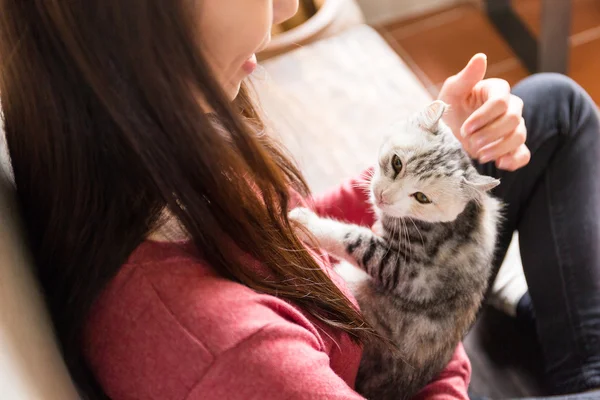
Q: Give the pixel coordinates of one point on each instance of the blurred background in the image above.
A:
(435, 37)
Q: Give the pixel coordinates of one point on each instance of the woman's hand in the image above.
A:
(486, 117)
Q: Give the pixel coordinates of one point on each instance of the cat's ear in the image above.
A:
(475, 184)
(429, 118)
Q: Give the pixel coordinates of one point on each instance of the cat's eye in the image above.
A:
(396, 164)
(421, 198)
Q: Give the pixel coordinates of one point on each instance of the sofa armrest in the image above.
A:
(31, 366)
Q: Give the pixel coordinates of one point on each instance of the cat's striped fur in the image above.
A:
(429, 264)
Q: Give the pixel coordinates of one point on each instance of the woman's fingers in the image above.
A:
(506, 145)
(503, 126)
(490, 111)
(515, 160)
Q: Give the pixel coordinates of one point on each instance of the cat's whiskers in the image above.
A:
(405, 230)
(418, 230)
(390, 241)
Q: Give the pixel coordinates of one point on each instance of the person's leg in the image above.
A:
(579, 396)
(509, 286)
(554, 203)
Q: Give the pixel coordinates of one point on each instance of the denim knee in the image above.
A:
(557, 97)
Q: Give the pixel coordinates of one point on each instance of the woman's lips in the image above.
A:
(250, 64)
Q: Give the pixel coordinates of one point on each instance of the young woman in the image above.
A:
(158, 215)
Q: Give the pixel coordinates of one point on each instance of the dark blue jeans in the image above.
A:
(554, 203)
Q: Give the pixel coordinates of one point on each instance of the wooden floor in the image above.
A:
(506, 361)
(439, 45)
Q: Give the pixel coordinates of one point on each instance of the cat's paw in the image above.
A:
(302, 215)
(315, 230)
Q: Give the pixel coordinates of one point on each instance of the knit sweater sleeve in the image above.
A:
(280, 361)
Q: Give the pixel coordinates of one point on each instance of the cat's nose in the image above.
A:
(381, 199)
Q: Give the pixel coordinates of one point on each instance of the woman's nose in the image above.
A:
(284, 10)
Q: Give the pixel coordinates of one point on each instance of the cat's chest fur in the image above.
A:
(441, 273)
(437, 259)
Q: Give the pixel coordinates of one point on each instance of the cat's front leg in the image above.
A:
(328, 233)
(356, 244)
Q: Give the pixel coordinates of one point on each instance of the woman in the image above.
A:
(158, 216)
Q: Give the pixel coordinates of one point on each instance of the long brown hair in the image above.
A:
(105, 131)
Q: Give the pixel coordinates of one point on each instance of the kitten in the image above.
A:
(428, 270)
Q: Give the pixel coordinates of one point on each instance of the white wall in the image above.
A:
(381, 11)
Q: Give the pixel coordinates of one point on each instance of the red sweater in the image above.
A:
(169, 327)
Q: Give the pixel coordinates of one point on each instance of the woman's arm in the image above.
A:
(281, 361)
(453, 382)
(348, 202)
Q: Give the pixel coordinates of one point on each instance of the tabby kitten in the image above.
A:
(427, 270)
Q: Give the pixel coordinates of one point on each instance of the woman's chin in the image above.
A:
(234, 90)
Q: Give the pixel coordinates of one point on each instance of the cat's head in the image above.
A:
(424, 173)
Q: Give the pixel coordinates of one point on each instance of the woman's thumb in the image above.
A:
(473, 73)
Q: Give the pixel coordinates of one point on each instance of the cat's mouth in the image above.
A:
(380, 200)
(381, 203)
(381, 206)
